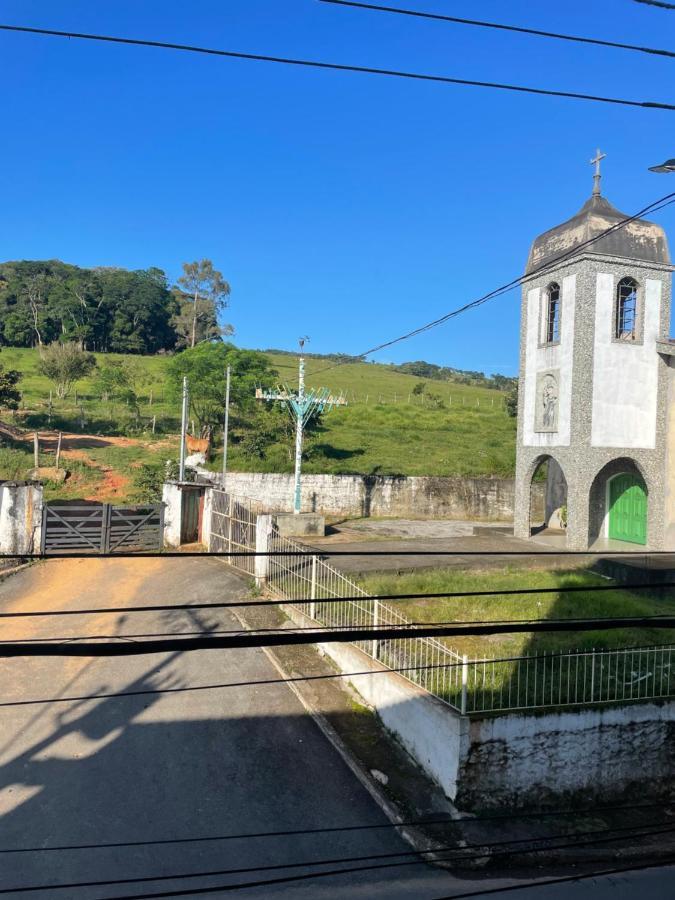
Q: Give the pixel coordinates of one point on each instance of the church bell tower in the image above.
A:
(595, 383)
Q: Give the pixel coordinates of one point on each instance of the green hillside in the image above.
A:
(390, 425)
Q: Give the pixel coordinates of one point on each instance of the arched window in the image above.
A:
(552, 308)
(625, 324)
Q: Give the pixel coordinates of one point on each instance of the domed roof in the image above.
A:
(635, 240)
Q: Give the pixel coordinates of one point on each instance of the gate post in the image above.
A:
(105, 528)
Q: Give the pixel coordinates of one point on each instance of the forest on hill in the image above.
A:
(110, 310)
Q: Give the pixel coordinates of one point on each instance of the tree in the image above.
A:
(10, 396)
(205, 367)
(203, 284)
(64, 364)
(511, 402)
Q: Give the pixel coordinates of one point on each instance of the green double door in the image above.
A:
(628, 509)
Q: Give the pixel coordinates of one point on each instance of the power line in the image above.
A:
(418, 14)
(436, 595)
(233, 641)
(340, 67)
(421, 856)
(378, 866)
(563, 879)
(407, 630)
(660, 3)
(400, 670)
(322, 553)
(656, 205)
(405, 823)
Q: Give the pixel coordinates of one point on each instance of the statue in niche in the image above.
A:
(546, 417)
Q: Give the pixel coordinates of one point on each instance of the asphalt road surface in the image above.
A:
(179, 781)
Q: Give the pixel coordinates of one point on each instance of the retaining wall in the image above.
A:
(598, 753)
(491, 499)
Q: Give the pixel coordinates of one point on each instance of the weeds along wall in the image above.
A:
(490, 499)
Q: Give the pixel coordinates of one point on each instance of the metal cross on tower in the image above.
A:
(302, 407)
(599, 155)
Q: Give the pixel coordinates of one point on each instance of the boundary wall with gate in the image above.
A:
(446, 708)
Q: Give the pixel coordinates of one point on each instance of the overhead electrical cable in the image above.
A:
(338, 67)
(93, 648)
(448, 853)
(325, 552)
(656, 205)
(481, 854)
(562, 879)
(113, 695)
(660, 3)
(500, 26)
(460, 821)
(323, 601)
(405, 630)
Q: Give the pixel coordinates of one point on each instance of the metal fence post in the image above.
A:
(376, 622)
(465, 683)
(312, 590)
(592, 675)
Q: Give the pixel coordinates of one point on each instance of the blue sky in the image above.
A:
(347, 207)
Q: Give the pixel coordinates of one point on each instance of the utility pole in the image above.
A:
(226, 424)
(302, 406)
(299, 427)
(183, 429)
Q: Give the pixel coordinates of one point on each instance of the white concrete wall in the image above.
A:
(625, 374)
(490, 499)
(433, 734)
(20, 517)
(600, 752)
(540, 359)
(172, 497)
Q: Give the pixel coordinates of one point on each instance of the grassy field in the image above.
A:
(451, 429)
(541, 606)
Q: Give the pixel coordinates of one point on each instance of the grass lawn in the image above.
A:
(537, 606)
(453, 430)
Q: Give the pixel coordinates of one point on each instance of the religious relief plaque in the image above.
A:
(546, 404)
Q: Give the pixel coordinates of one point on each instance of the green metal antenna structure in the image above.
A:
(303, 406)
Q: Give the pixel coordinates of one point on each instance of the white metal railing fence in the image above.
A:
(572, 678)
(303, 576)
(233, 528)
(539, 681)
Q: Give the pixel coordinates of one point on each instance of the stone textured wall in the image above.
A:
(489, 499)
(600, 753)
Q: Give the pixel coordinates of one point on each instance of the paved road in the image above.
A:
(158, 767)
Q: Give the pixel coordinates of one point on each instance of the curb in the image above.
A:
(411, 835)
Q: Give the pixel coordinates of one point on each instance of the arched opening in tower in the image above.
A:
(548, 498)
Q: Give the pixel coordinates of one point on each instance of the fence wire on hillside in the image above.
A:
(470, 686)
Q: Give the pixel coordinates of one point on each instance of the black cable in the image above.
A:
(323, 553)
(355, 598)
(418, 14)
(458, 853)
(319, 630)
(660, 3)
(267, 681)
(509, 286)
(390, 865)
(563, 879)
(92, 648)
(460, 821)
(339, 67)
